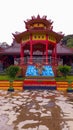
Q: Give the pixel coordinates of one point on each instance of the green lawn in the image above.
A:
(68, 78)
(5, 77)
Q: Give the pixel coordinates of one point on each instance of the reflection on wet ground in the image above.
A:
(36, 110)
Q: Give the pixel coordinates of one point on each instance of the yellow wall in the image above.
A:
(25, 39)
(51, 38)
(38, 25)
(39, 37)
(18, 85)
(62, 86)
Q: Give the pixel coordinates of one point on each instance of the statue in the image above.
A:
(40, 68)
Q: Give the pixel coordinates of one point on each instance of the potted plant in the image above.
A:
(12, 71)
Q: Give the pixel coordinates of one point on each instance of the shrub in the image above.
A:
(12, 71)
(64, 70)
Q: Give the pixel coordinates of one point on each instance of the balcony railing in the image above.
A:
(51, 61)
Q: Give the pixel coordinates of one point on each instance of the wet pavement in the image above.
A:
(36, 110)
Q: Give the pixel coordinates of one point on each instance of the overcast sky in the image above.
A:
(13, 13)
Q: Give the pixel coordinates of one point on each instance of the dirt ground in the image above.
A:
(36, 110)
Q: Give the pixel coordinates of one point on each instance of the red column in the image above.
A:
(46, 49)
(22, 55)
(43, 60)
(55, 54)
(31, 50)
(58, 57)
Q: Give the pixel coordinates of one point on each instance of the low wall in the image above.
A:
(4, 85)
(61, 85)
(18, 85)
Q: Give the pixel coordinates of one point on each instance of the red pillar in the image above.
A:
(43, 60)
(46, 49)
(58, 57)
(55, 54)
(22, 55)
(31, 50)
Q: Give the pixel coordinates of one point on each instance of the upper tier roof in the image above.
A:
(36, 20)
(38, 25)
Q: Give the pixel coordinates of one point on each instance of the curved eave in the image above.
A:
(58, 36)
(19, 36)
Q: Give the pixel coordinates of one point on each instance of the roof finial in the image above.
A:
(44, 17)
(33, 17)
(38, 16)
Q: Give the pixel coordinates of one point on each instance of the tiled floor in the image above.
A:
(36, 110)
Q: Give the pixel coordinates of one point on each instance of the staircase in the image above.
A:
(36, 79)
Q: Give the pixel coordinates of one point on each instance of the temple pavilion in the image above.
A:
(38, 37)
(38, 43)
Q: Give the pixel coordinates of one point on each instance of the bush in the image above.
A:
(12, 71)
(64, 70)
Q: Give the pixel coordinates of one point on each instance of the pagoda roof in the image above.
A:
(48, 30)
(13, 49)
(19, 36)
(63, 50)
(38, 19)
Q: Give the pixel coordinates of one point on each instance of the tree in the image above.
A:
(68, 41)
(64, 70)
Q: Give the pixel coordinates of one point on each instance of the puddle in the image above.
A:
(67, 125)
(66, 108)
(40, 105)
(43, 127)
(46, 114)
(34, 110)
(3, 123)
(23, 123)
(50, 104)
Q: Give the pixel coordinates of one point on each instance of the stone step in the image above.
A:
(39, 87)
(40, 82)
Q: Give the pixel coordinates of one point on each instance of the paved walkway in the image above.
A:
(36, 110)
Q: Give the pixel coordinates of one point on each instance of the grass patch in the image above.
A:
(68, 78)
(6, 77)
